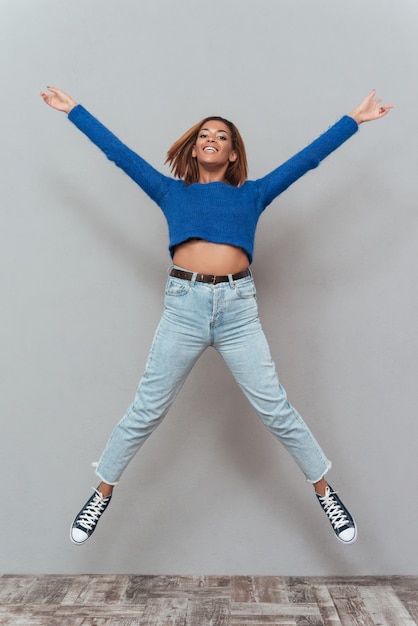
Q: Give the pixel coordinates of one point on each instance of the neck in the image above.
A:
(207, 175)
(211, 179)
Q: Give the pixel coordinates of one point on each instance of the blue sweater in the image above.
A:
(216, 212)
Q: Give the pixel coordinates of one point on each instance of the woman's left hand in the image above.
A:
(370, 109)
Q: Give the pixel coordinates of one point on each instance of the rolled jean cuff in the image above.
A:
(329, 465)
(102, 478)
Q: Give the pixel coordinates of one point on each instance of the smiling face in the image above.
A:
(214, 147)
(191, 162)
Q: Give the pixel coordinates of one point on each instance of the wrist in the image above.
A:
(356, 116)
(70, 106)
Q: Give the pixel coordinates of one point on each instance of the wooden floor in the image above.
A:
(207, 601)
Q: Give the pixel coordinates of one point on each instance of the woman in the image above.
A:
(212, 212)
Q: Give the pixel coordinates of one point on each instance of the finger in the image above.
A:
(384, 109)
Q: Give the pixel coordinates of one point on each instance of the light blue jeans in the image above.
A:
(198, 315)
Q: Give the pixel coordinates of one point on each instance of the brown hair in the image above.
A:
(184, 166)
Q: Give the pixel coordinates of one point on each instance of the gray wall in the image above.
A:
(83, 264)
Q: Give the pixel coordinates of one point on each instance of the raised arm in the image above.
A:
(282, 177)
(58, 99)
(147, 177)
(370, 109)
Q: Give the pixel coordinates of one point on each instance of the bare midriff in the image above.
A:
(205, 257)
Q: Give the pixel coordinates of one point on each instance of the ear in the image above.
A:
(194, 152)
(233, 156)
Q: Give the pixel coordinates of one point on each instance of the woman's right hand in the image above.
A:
(58, 99)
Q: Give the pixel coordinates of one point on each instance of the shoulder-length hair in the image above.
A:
(184, 166)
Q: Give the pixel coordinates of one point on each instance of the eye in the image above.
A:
(203, 135)
(222, 137)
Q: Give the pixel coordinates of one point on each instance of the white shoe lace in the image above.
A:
(90, 515)
(334, 511)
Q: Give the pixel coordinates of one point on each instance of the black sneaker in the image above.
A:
(86, 521)
(341, 521)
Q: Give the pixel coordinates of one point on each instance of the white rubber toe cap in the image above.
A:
(348, 535)
(78, 535)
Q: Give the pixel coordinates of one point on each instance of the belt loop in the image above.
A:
(193, 279)
(231, 281)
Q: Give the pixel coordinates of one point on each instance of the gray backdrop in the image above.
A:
(83, 265)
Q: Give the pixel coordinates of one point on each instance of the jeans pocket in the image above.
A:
(176, 287)
(246, 289)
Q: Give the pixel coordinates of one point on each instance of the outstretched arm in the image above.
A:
(58, 99)
(370, 109)
(148, 178)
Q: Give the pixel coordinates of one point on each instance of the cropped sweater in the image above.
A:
(216, 212)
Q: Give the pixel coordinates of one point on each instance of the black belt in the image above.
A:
(208, 278)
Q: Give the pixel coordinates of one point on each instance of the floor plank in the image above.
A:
(111, 600)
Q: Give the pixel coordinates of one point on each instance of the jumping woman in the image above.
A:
(212, 211)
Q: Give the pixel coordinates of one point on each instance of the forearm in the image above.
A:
(147, 177)
(307, 159)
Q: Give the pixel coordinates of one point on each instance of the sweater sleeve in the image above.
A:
(149, 179)
(277, 181)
